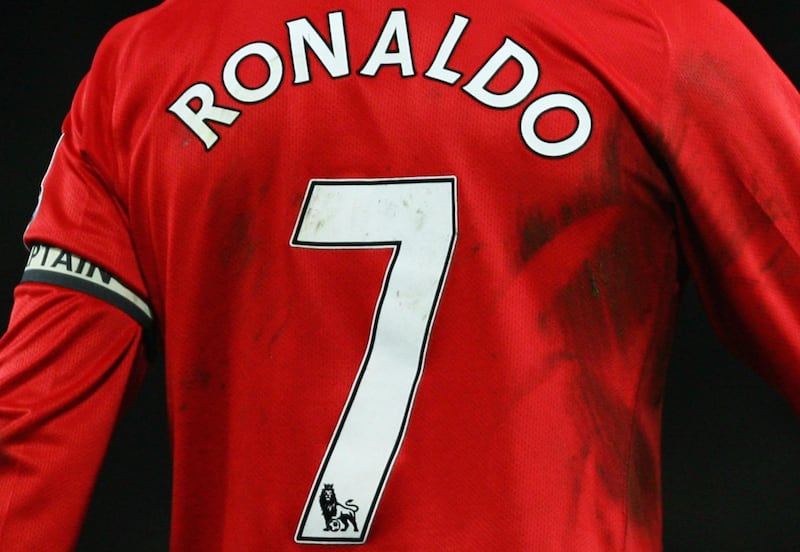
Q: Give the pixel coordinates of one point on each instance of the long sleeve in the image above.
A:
(734, 149)
(66, 363)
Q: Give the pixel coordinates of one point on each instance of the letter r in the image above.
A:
(197, 120)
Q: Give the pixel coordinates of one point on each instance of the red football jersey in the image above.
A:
(413, 267)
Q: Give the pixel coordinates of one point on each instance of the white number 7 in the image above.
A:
(417, 218)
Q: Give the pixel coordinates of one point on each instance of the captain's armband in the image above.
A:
(53, 265)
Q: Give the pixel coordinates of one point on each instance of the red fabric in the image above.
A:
(536, 424)
(66, 362)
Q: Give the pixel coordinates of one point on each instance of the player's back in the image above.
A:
(414, 266)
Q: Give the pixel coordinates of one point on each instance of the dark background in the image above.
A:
(731, 444)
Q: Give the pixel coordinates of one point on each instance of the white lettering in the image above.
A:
(395, 30)
(196, 120)
(568, 145)
(235, 88)
(438, 69)
(527, 80)
(303, 37)
(196, 107)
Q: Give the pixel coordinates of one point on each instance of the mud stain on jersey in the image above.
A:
(197, 378)
(722, 201)
(277, 325)
(644, 483)
(238, 248)
(596, 310)
(604, 175)
(612, 279)
(705, 76)
(611, 173)
(783, 264)
(236, 210)
(577, 466)
(590, 260)
(597, 307)
(602, 186)
(537, 230)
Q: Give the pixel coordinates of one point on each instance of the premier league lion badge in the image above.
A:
(338, 517)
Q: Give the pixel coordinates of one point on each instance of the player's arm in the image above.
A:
(66, 363)
(74, 345)
(729, 131)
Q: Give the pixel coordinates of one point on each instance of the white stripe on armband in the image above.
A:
(53, 265)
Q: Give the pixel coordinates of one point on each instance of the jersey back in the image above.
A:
(414, 266)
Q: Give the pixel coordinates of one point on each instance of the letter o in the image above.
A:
(252, 95)
(568, 145)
